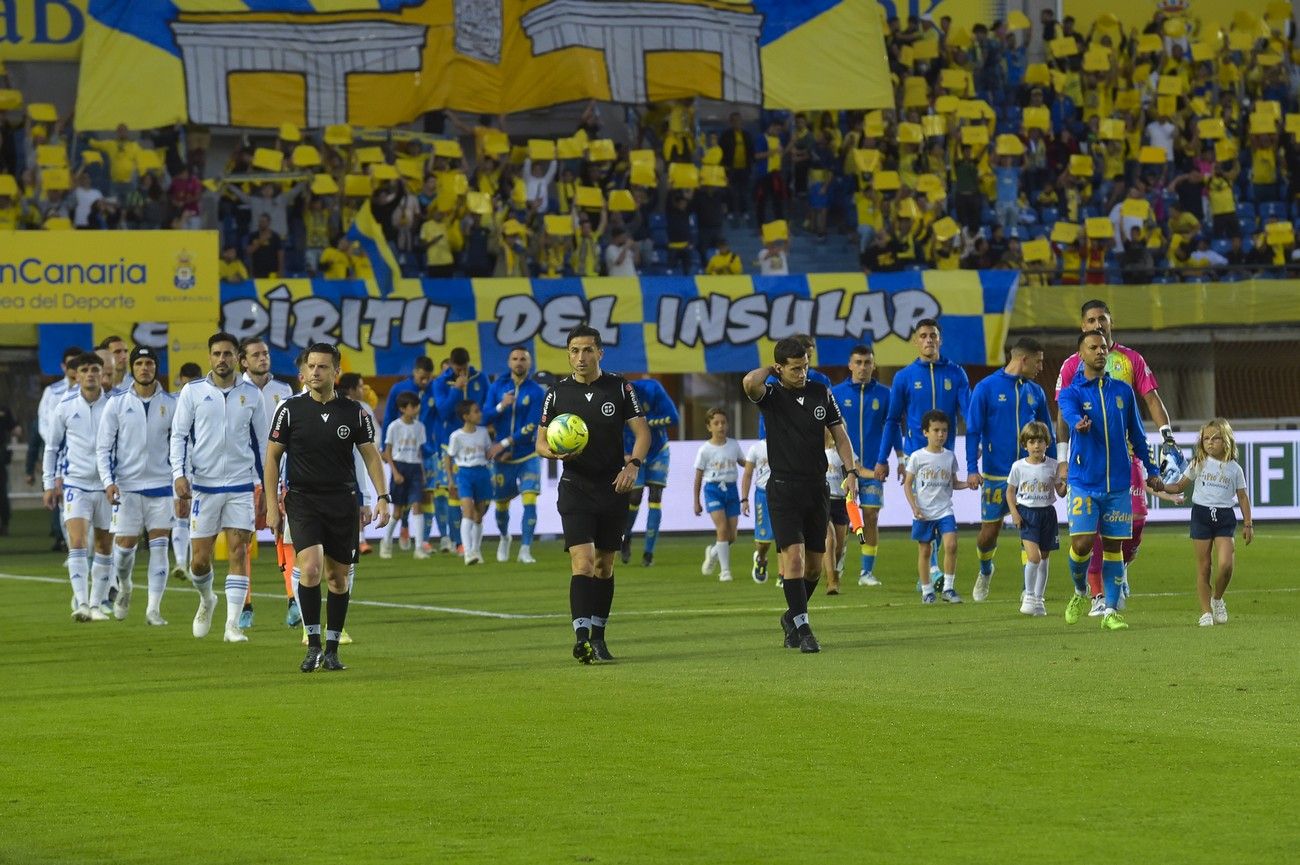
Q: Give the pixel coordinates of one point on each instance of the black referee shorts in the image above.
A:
(592, 513)
(329, 520)
(800, 513)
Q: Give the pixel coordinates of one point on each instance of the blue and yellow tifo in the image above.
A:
(380, 62)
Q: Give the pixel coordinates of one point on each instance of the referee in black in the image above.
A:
(318, 429)
(796, 413)
(595, 483)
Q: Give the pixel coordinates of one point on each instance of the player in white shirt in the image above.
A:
(132, 452)
(72, 475)
(838, 528)
(757, 472)
(1218, 483)
(54, 394)
(1032, 488)
(218, 445)
(717, 466)
(405, 442)
(255, 360)
(467, 459)
(931, 477)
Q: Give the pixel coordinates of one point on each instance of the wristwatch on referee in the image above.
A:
(632, 461)
(384, 497)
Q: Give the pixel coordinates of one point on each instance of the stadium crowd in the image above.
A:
(1150, 155)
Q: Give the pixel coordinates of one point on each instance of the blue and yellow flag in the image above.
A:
(367, 233)
(259, 63)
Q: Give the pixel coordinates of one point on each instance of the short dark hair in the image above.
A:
(927, 322)
(862, 348)
(459, 356)
(300, 359)
(222, 336)
(191, 370)
(806, 339)
(583, 330)
(1094, 304)
(934, 416)
(1027, 345)
(406, 398)
(86, 358)
(424, 362)
(324, 348)
(464, 407)
(71, 352)
(349, 381)
(1087, 333)
(788, 349)
(250, 340)
(708, 415)
(109, 340)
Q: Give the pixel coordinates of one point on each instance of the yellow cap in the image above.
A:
(1065, 232)
(621, 200)
(267, 159)
(1010, 145)
(777, 230)
(323, 184)
(290, 132)
(559, 225)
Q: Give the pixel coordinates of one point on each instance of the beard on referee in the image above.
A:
(318, 430)
(593, 489)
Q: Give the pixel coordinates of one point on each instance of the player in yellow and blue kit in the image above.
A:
(1000, 406)
(1102, 415)
(864, 402)
(661, 413)
(929, 383)
(459, 383)
(514, 408)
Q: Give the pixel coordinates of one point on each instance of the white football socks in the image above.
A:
(123, 565)
(77, 570)
(236, 591)
(101, 575)
(722, 550)
(1040, 584)
(417, 524)
(157, 573)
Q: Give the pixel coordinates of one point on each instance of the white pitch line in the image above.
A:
(707, 611)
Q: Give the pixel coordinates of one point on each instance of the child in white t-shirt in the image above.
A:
(467, 454)
(1032, 487)
(756, 473)
(716, 469)
(931, 478)
(1218, 483)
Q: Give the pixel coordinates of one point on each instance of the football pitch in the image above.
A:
(464, 731)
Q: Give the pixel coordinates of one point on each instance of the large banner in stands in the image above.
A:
(41, 29)
(1268, 459)
(1162, 307)
(652, 324)
(381, 62)
(55, 276)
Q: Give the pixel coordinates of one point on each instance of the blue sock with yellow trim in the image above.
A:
(530, 518)
(1112, 573)
(868, 557)
(986, 560)
(503, 518)
(454, 516)
(652, 519)
(1079, 570)
(439, 515)
(934, 556)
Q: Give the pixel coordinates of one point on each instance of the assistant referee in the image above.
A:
(796, 414)
(318, 430)
(594, 487)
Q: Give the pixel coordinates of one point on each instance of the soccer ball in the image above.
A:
(567, 434)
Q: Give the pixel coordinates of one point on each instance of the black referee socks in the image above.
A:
(580, 606)
(796, 597)
(309, 605)
(602, 600)
(336, 613)
(810, 588)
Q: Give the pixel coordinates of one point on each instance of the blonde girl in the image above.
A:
(1218, 484)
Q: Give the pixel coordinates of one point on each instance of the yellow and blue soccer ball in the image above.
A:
(567, 434)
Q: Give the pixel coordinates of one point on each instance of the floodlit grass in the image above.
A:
(919, 734)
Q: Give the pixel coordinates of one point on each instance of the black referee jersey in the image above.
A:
(605, 404)
(318, 439)
(796, 422)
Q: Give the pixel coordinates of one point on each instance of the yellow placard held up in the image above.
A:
(1036, 117)
(775, 231)
(683, 175)
(1036, 251)
(945, 229)
(1099, 228)
(621, 200)
(713, 175)
(541, 149)
(324, 184)
(1081, 165)
(268, 160)
(1010, 145)
(1211, 129)
(559, 225)
(1153, 155)
(1065, 232)
(589, 197)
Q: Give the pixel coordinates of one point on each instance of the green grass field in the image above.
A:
(919, 734)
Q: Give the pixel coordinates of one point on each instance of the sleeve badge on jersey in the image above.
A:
(241, 399)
